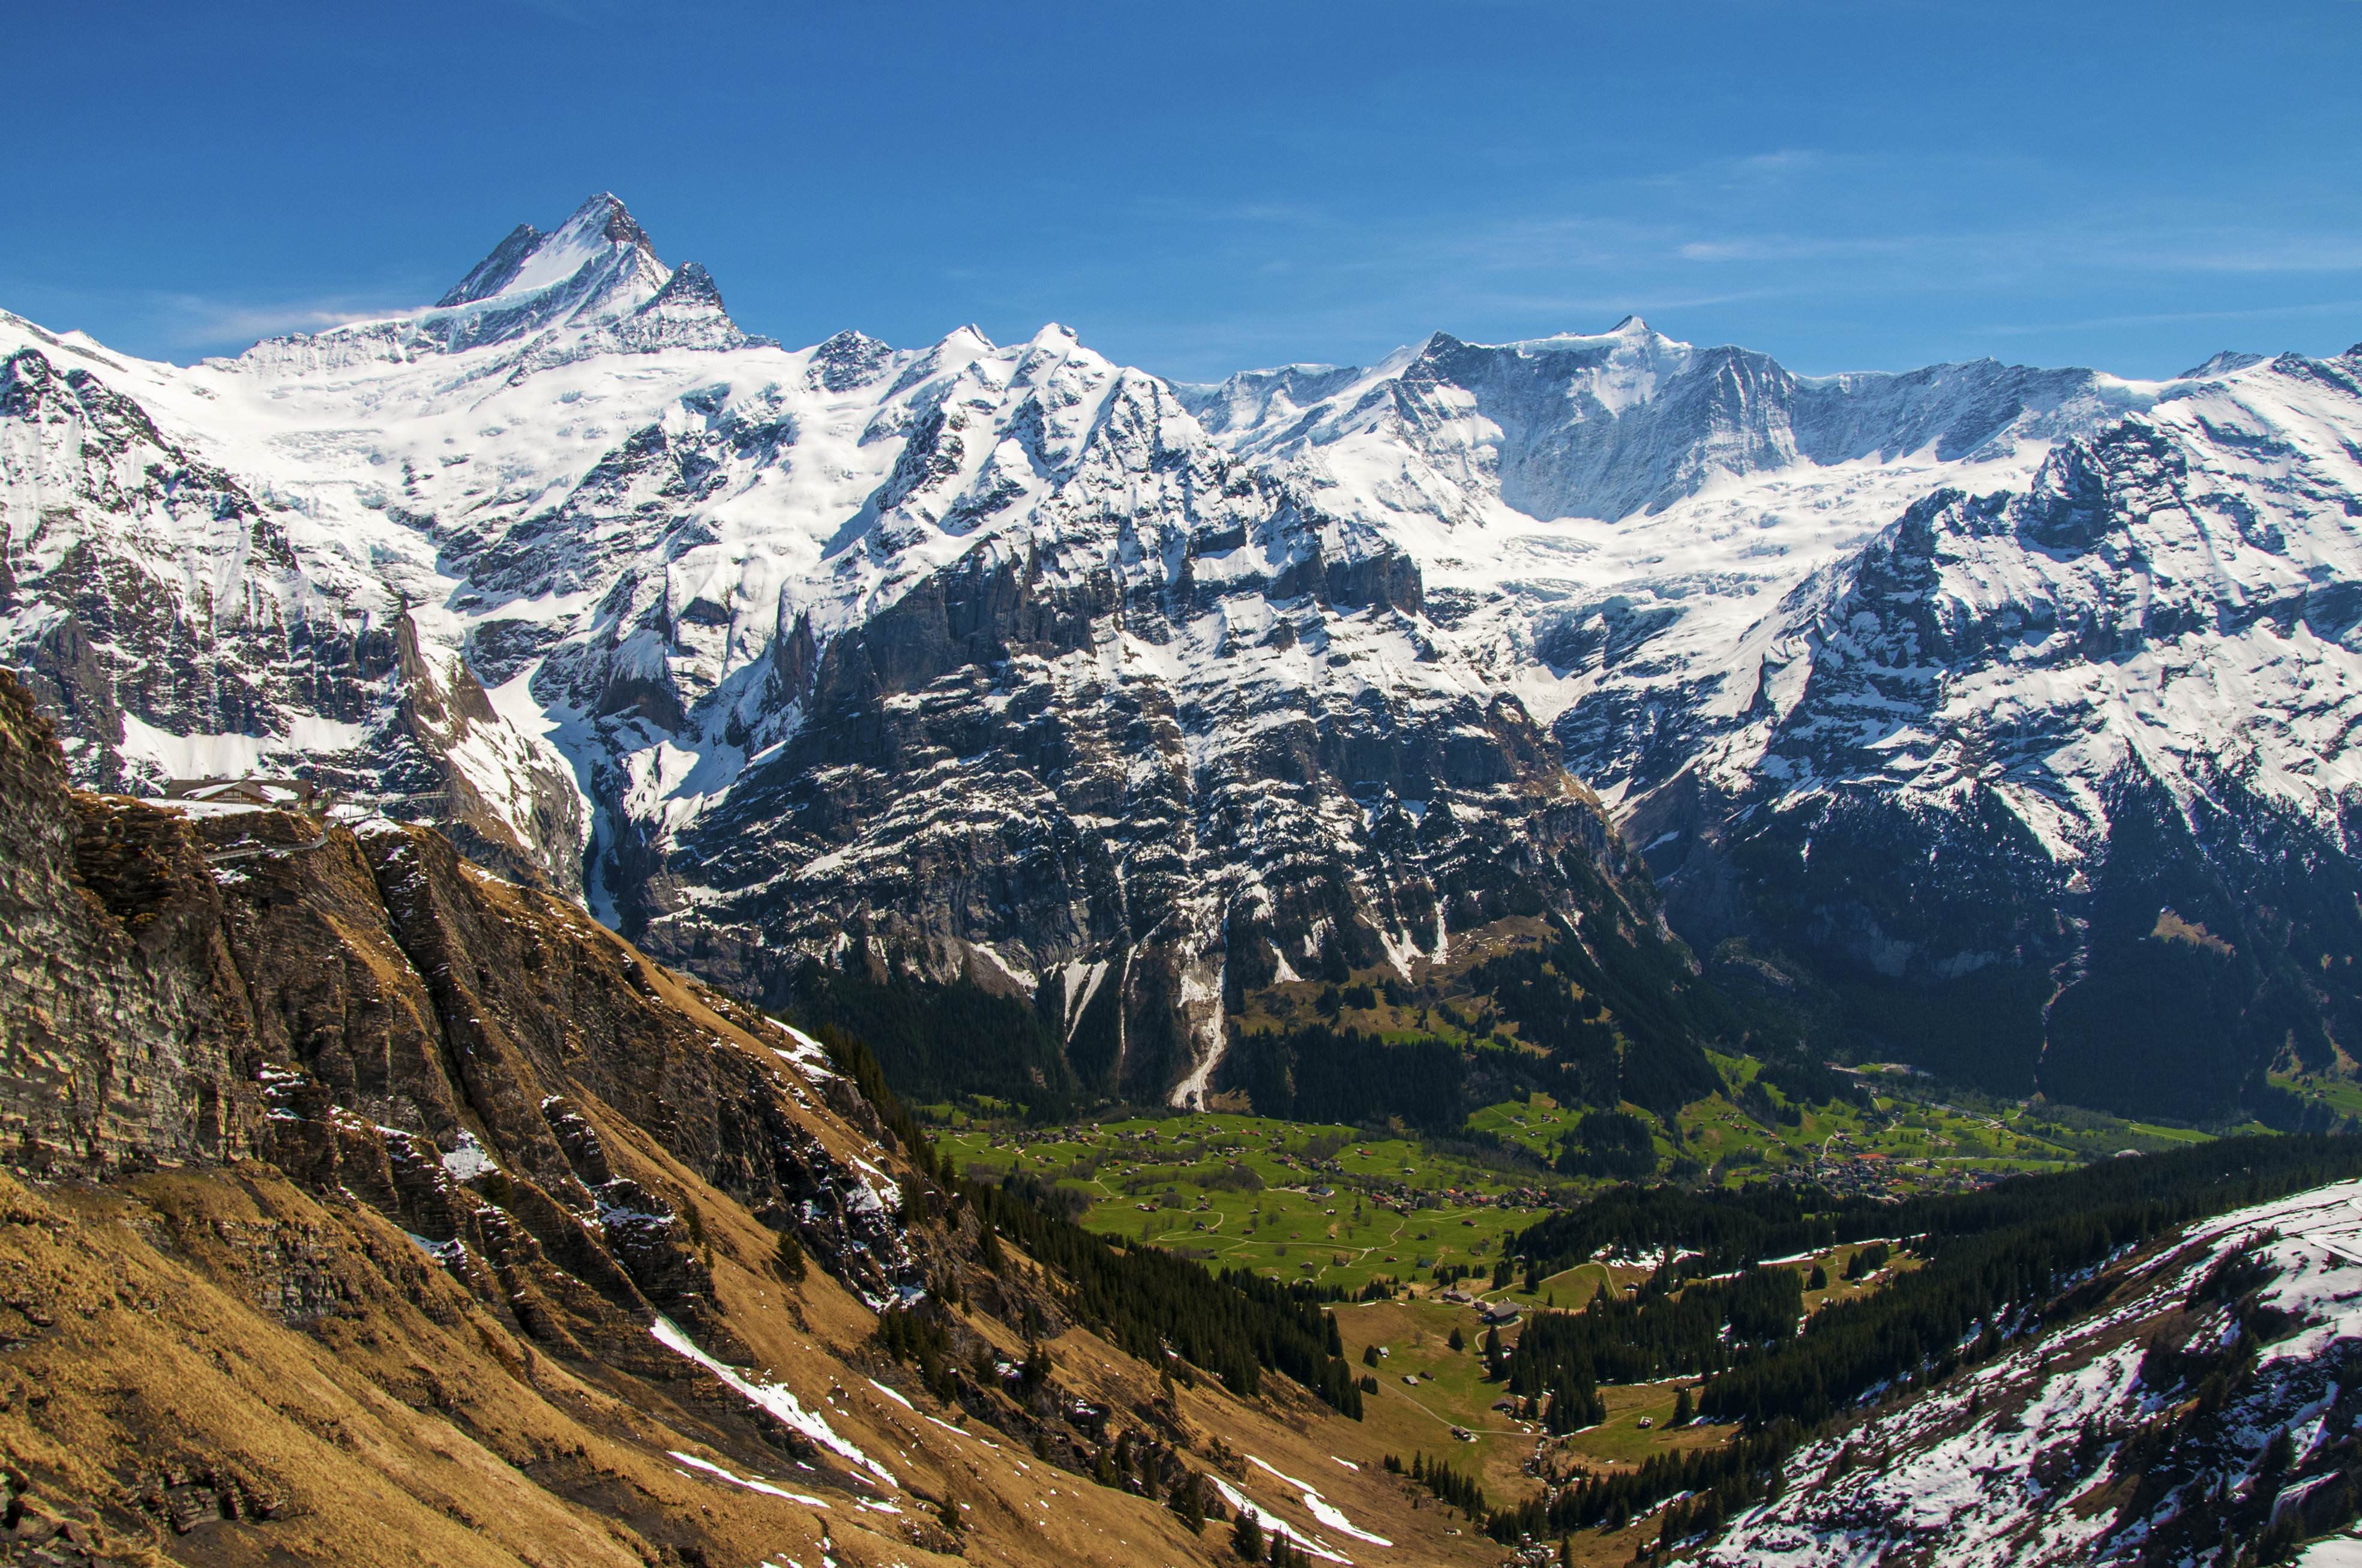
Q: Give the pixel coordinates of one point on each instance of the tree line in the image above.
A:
(1618, 1007)
(1658, 1331)
(1730, 1227)
(1733, 1475)
(1235, 1325)
(1151, 1302)
(1325, 1074)
(2013, 1247)
(1003, 1048)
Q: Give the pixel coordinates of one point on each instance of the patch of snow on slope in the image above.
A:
(752, 1484)
(1273, 1524)
(1328, 1513)
(468, 1159)
(775, 1397)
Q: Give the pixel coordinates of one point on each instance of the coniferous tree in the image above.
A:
(1246, 1538)
(1151, 1302)
(788, 1260)
(1035, 1372)
(1188, 1500)
(1986, 1259)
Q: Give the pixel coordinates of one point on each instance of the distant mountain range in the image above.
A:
(1991, 718)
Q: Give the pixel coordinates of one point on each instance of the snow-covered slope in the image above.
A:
(984, 653)
(2143, 1433)
(1030, 665)
(1972, 621)
(1626, 422)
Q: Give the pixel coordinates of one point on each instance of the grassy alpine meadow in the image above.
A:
(2338, 1091)
(1341, 1206)
(1433, 1399)
(1328, 1204)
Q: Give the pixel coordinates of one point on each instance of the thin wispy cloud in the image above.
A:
(194, 321)
(179, 324)
(2180, 317)
(1797, 248)
(1336, 280)
(1777, 162)
(2260, 254)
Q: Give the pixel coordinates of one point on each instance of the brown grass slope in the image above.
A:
(347, 1183)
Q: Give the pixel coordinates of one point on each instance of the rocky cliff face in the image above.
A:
(365, 1208)
(168, 620)
(125, 1038)
(2106, 712)
(376, 1017)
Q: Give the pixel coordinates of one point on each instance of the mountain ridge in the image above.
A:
(1018, 662)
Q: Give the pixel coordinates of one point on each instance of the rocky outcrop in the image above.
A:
(123, 1035)
(373, 1014)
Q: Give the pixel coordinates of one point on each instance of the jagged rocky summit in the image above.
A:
(1010, 663)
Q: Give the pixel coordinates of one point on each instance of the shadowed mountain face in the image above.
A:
(1008, 664)
(2008, 712)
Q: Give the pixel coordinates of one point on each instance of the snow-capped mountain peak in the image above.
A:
(594, 284)
(497, 270)
(2222, 364)
(1027, 660)
(599, 244)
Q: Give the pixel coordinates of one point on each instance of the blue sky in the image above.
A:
(1205, 187)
